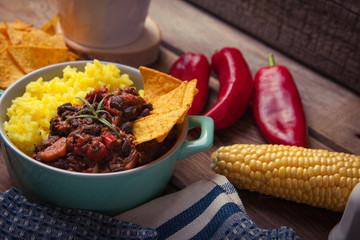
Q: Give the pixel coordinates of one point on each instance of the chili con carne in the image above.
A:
(97, 138)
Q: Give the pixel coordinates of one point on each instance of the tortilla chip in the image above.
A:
(16, 24)
(29, 48)
(157, 83)
(56, 41)
(181, 96)
(2, 27)
(169, 101)
(4, 42)
(50, 27)
(32, 58)
(170, 98)
(168, 109)
(34, 37)
(156, 125)
(9, 71)
(190, 93)
(15, 36)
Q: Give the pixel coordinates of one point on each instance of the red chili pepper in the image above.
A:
(277, 106)
(236, 84)
(190, 66)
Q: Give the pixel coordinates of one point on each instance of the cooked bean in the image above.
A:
(92, 146)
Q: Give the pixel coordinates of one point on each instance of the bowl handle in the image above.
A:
(204, 142)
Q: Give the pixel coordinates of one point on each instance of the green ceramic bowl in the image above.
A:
(107, 193)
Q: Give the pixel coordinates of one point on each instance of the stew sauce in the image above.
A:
(84, 144)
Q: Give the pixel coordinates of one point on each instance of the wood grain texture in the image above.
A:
(322, 34)
(35, 13)
(332, 110)
(5, 182)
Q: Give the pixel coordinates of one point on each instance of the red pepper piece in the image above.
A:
(96, 151)
(277, 106)
(109, 139)
(108, 108)
(99, 93)
(188, 67)
(236, 84)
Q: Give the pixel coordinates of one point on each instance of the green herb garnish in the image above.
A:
(95, 113)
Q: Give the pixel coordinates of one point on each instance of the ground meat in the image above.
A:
(91, 146)
(146, 149)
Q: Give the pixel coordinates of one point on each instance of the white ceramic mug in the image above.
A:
(102, 23)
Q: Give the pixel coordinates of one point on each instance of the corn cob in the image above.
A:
(312, 176)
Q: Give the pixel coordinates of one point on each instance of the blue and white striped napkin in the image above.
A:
(208, 209)
(20, 219)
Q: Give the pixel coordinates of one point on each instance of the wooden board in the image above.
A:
(322, 34)
(332, 110)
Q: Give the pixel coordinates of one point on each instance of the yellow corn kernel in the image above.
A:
(312, 176)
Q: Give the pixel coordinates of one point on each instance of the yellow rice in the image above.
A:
(30, 115)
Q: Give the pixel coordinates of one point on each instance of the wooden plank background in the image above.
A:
(323, 34)
(331, 109)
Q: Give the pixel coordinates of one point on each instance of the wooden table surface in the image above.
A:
(332, 111)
